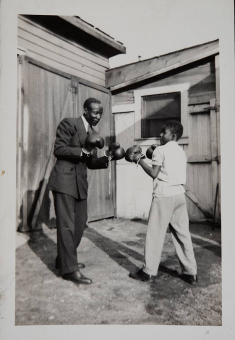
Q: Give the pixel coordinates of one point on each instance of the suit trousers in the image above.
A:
(71, 218)
(164, 211)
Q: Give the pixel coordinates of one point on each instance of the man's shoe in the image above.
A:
(80, 265)
(142, 276)
(191, 279)
(77, 277)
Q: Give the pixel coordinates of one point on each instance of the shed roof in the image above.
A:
(122, 76)
(75, 29)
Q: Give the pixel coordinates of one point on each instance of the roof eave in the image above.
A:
(115, 46)
(213, 51)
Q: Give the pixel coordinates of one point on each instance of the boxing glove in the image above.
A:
(149, 152)
(114, 146)
(134, 154)
(118, 154)
(115, 152)
(92, 141)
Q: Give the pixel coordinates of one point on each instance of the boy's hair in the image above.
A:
(175, 127)
(89, 101)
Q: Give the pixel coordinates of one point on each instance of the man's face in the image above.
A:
(93, 114)
(166, 135)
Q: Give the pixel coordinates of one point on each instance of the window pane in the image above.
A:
(156, 110)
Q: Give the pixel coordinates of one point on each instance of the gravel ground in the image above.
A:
(110, 249)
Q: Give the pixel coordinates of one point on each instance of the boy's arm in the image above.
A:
(152, 172)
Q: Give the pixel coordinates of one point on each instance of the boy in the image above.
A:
(168, 207)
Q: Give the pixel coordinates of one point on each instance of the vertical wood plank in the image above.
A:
(217, 91)
(24, 206)
(214, 147)
(19, 140)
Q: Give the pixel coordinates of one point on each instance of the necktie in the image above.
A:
(90, 130)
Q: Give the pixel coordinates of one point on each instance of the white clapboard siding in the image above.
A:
(45, 34)
(64, 60)
(29, 39)
(67, 57)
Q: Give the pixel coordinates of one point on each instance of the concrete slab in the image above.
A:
(110, 249)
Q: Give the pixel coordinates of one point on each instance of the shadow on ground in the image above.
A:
(111, 251)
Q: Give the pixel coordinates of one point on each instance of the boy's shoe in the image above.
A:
(191, 279)
(142, 276)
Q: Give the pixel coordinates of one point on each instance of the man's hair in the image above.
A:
(175, 127)
(89, 101)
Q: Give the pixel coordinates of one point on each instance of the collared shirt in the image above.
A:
(86, 124)
(172, 175)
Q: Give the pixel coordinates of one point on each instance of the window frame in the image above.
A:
(138, 96)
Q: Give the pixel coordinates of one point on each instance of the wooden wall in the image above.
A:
(45, 97)
(132, 181)
(49, 69)
(68, 57)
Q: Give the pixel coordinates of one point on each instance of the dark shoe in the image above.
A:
(77, 277)
(80, 265)
(142, 276)
(191, 279)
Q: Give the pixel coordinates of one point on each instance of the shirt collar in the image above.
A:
(86, 124)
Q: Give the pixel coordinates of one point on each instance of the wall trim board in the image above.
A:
(199, 159)
(123, 108)
(166, 69)
(199, 109)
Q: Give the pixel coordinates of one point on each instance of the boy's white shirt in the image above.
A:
(172, 159)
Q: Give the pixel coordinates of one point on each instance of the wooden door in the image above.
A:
(203, 170)
(43, 93)
(101, 192)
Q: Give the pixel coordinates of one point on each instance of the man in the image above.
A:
(68, 182)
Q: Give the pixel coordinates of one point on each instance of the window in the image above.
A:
(154, 106)
(156, 110)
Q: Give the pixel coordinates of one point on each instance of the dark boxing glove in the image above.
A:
(134, 154)
(94, 140)
(115, 152)
(149, 152)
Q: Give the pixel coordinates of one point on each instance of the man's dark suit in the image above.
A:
(68, 181)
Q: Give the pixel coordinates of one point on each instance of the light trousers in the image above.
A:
(170, 211)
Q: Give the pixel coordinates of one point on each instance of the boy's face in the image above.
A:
(166, 136)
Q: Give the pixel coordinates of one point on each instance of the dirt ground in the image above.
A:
(110, 249)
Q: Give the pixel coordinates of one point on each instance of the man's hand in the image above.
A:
(93, 141)
(115, 152)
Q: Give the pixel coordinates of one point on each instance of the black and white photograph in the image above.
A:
(117, 194)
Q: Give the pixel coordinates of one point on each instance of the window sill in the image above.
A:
(152, 140)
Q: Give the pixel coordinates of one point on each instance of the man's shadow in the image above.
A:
(46, 250)
(44, 247)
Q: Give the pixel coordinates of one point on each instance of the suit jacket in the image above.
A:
(69, 175)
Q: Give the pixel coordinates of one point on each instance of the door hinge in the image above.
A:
(73, 89)
(20, 59)
(216, 108)
(217, 159)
